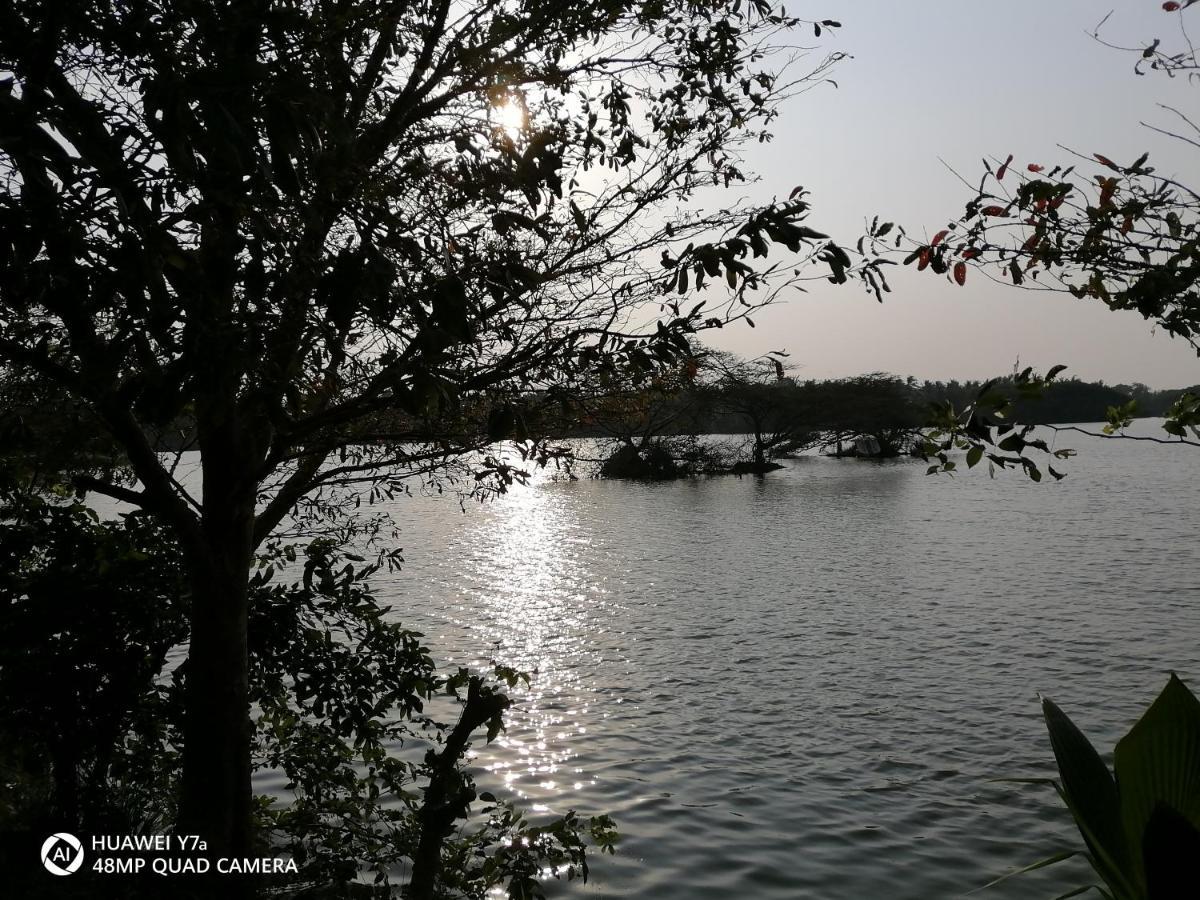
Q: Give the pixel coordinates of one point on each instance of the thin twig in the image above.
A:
(1174, 442)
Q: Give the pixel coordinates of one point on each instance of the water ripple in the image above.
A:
(805, 686)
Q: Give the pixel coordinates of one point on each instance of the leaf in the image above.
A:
(1104, 160)
(937, 238)
(993, 211)
(1170, 853)
(580, 220)
(1034, 167)
(960, 273)
(1158, 762)
(1032, 867)
(1003, 168)
(837, 260)
(1014, 443)
(974, 455)
(1108, 187)
(1090, 791)
(1075, 892)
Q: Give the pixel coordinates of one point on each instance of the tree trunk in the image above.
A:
(448, 794)
(215, 803)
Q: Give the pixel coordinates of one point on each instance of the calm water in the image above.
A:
(803, 686)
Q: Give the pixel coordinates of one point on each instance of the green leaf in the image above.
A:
(1014, 443)
(1158, 763)
(1090, 792)
(1032, 867)
(1079, 890)
(974, 455)
(1170, 853)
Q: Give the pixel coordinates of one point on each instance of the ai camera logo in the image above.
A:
(62, 854)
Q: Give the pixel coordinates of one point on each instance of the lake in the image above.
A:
(806, 685)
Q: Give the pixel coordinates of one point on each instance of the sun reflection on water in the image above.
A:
(530, 604)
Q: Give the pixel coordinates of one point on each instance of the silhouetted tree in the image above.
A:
(761, 397)
(322, 230)
(876, 406)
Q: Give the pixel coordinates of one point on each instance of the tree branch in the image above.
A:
(448, 792)
(125, 495)
(1173, 442)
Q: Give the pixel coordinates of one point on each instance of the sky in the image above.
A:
(963, 81)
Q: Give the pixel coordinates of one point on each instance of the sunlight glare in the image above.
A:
(510, 116)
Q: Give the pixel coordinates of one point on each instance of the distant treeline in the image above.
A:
(1063, 402)
(861, 404)
(727, 396)
(657, 425)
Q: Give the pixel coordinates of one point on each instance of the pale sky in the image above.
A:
(964, 80)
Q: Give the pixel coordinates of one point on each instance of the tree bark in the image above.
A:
(215, 801)
(448, 795)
